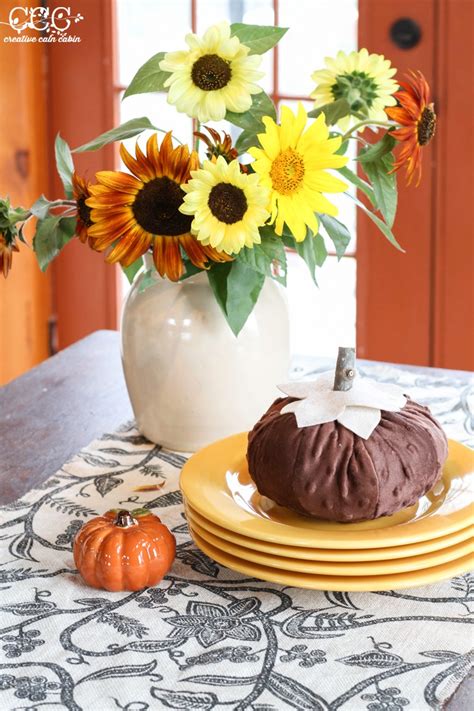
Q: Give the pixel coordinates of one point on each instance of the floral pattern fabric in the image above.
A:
(207, 637)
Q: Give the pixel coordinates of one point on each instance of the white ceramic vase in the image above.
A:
(190, 380)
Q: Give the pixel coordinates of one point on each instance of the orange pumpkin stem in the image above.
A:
(124, 519)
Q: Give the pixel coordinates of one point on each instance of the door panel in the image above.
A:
(394, 289)
(453, 293)
(418, 307)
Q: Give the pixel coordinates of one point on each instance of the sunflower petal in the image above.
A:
(167, 257)
(119, 181)
(195, 251)
(132, 164)
(132, 245)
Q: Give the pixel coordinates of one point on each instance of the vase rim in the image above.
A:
(148, 258)
(198, 277)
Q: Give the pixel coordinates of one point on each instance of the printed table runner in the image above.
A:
(206, 637)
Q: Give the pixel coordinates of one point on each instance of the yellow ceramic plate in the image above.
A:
(381, 567)
(339, 583)
(329, 554)
(217, 484)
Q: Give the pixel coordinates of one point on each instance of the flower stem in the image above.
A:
(368, 122)
(63, 203)
(26, 216)
(198, 128)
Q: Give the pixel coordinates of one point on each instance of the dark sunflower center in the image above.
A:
(211, 72)
(227, 202)
(156, 208)
(426, 125)
(84, 211)
(358, 88)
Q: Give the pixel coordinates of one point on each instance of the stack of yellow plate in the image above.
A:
(249, 533)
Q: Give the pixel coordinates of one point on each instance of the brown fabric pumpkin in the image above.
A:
(328, 472)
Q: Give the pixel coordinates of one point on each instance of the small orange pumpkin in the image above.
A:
(124, 550)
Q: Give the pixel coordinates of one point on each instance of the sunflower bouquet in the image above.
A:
(234, 211)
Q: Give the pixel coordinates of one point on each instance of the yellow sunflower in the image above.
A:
(228, 206)
(216, 73)
(364, 79)
(132, 212)
(292, 163)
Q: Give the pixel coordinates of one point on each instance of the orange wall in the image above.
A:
(25, 297)
(45, 89)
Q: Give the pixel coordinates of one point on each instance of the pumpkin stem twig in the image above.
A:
(124, 519)
(345, 369)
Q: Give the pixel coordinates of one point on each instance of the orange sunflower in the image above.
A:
(132, 212)
(217, 145)
(415, 113)
(6, 254)
(81, 193)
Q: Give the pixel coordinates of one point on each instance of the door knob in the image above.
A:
(405, 33)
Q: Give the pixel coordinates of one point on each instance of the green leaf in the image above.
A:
(64, 164)
(337, 232)
(251, 120)
(385, 186)
(358, 182)
(288, 240)
(383, 227)
(21, 236)
(246, 140)
(125, 130)
(149, 77)
(10, 217)
(236, 288)
(131, 271)
(5, 207)
(17, 214)
(313, 250)
(377, 161)
(52, 234)
(341, 151)
(40, 208)
(377, 150)
(333, 112)
(258, 38)
(190, 269)
(243, 289)
(320, 251)
(261, 256)
(218, 275)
